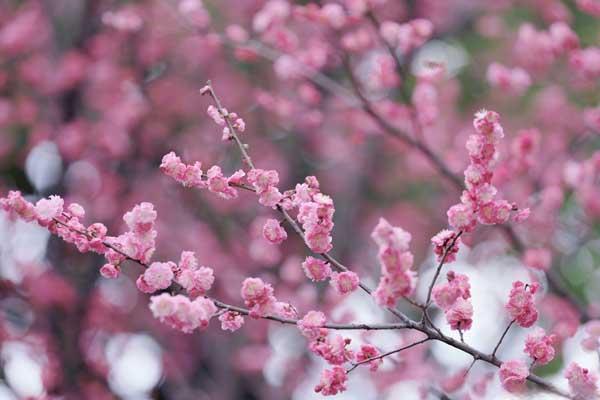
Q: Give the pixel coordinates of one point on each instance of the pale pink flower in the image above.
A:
(344, 282)
(311, 326)
(583, 383)
(539, 258)
(274, 232)
(441, 245)
(316, 269)
(366, 352)
(540, 346)
(231, 321)
(520, 305)
(460, 315)
(513, 374)
(333, 381)
(591, 342)
(50, 208)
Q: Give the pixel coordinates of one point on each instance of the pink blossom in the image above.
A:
(274, 232)
(461, 217)
(540, 347)
(344, 282)
(591, 7)
(76, 210)
(157, 276)
(311, 326)
(586, 62)
(441, 245)
(394, 286)
(333, 381)
(258, 296)
(214, 113)
(316, 269)
(520, 305)
(591, 342)
(583, 383)
(334, 350)
(458, 286)
(540, 259)
(460, 315)
(366, 352)
(16, 205)
(262, 180)
(217, 183)
(513, 374)
(515, 80)
(271, 197)
(110, 271)
(564, 38)
(385, 235)
(50, 208)
(231, 321)
(182, 314)
(141, 218)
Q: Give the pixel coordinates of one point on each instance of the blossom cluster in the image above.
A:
(453, 298)
(259, 298)
(478, 203)
(397, 276)
(334, 349)
(521, 306)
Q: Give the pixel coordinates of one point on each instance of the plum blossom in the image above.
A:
(316, 269)
(231, 321)
(397, 277)
(366, 352)
(583, 383)
(274, 232)
(520, 305)
(540, 347)
(344, 282)
(181, 313)
(311, 326)
(513, 374)
(333, 381)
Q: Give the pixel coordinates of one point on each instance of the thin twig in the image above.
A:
(389, 353)
(502, 338)
(438, 270)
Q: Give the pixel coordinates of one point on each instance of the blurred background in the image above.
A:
(94, 92)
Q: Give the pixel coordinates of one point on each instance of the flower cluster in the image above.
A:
(265, 183)
(515, 80)
(368, 352)
(231, 321)
(397, 277)
(521, 305)
(478, 203)
(192, 176)
(333, 381)
(454, 298)
(408, 36)
(138, 243)
(316, 270)
(446, 242)
(546, 45)
(258, 297)
(315, 213)
(540, 347)
(582, 382)
(274, 232)
(539, 259)
(220, 116)
(513, 374)
(591, 342)
(181, 313)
